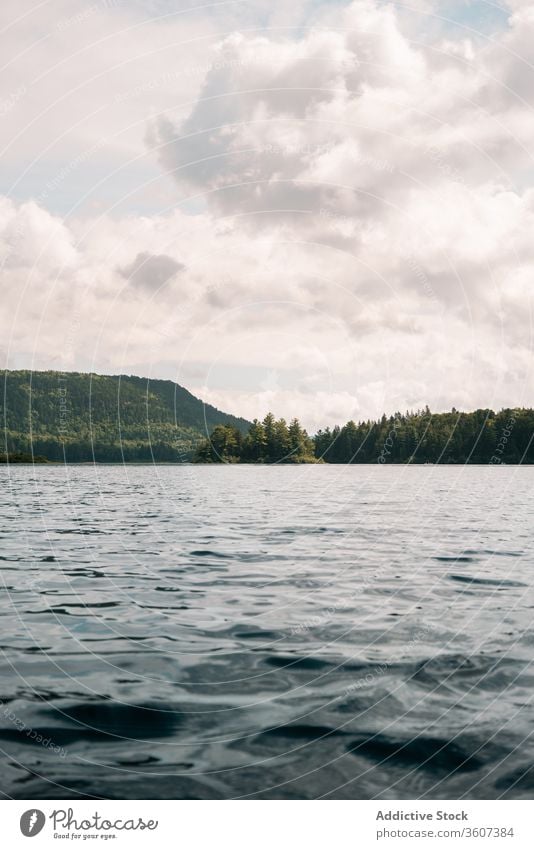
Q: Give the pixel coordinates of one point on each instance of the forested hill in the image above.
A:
(81, 417)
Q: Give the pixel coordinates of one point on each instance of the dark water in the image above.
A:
(196, 632)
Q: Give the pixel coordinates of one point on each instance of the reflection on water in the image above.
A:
(197, 632)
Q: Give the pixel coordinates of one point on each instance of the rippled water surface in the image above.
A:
(320, 631)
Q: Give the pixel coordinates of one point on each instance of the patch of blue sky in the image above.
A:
(78, 187)
(459, 18)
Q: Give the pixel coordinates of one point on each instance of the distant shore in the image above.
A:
(81, 418)
(45, 463)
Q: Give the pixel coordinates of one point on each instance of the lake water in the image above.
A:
(304, 632)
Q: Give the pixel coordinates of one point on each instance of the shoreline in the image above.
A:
(55, 463)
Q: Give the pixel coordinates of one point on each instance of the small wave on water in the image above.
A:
(343, 635)
(486, 582)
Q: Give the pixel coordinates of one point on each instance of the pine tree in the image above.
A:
(255, 443)
(269, 429)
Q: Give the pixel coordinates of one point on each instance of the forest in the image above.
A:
(482, 436)
(80, 417)
(269, 441)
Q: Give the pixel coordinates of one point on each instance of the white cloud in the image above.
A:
(342, 218)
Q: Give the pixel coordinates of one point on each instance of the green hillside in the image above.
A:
(84, 417)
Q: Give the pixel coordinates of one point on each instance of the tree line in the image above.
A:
(482, 436)
(269, 441)
(77, 417)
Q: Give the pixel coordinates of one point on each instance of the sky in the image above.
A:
(323, 209)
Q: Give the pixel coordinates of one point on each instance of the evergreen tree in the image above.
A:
(255, 443)
(281, 441)
(269, 429)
